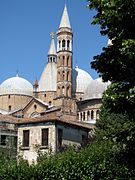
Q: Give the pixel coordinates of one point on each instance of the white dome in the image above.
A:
(16, 85)
(81, 80)
(48, 80)
(95, 89)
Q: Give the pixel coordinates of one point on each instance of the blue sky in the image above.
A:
(25, 27)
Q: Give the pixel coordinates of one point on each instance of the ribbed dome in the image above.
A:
(16, 85)
(48, 80)
(81, 80)
(95, 89)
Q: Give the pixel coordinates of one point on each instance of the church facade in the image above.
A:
(65, 102)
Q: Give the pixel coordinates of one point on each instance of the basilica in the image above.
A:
(59, 109)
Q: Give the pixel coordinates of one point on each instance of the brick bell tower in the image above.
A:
(64, 57)
(64, 62)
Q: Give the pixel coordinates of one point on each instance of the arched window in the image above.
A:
(63, 75)
(68, 76)
(84, 116)
(97, 114)
(81, 116)
(63, 90)
(80, 98)
(51, 59)
(35, 106)
(50, 103)
(68, 91)
(63, 60)
(63, 43)
(88, 115)
(68, 44)
(68, 61)
(9, 108)
(77, 115)
(92, 114)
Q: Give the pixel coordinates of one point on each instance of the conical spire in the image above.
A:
(65, 19)
(52, 50)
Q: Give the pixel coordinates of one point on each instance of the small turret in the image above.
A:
(52, 57)
(35, 88)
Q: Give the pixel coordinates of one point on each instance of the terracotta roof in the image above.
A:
(50, 117)
(7, 118)
(55, 117)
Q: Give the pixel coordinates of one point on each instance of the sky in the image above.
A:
(25, 27)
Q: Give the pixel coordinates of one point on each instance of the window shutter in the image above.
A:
(45, 137)
(25, 138)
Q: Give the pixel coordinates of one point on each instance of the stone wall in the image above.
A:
(13, 102)
(30, 153)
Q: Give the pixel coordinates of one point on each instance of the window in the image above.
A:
(50, 103)
(68, 44)
(35, 106)
(63, 60)
(3, 140)
(63, 74)
(92, 114)
(51, 59)
(68, 92)
(68, 76)
(88, 115)
(63, 43)
(60, 132)
(97, 114)
(84, 116)
(44, 137)
(26, 138)
(63, 90)
(9, 108)
(80, 98)
(68, 61)
(81, 116)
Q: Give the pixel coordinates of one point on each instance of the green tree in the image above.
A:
(116, 63)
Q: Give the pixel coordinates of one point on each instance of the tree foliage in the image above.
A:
(117, 20)
(116, 63)
(97, 161)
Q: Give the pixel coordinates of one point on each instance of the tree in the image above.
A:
(116, 63)
(117, 20)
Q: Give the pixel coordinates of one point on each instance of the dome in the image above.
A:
(48, 80)
(16, 85)
(95, 89)
(81, 80)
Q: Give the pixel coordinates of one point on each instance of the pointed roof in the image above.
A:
(65, 19)
(52, 49)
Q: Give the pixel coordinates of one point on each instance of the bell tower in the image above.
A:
(64, 96)
(64, 57)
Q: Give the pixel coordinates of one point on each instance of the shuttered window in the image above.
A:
(45, 137)
(26, 138)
